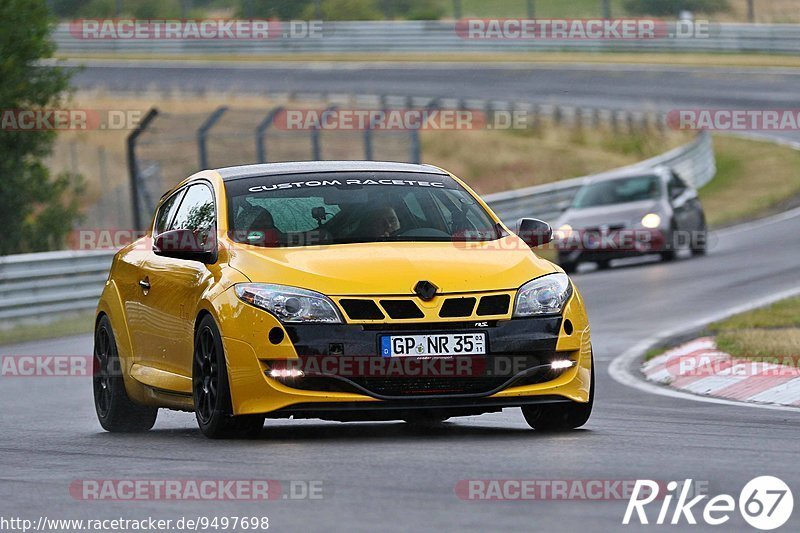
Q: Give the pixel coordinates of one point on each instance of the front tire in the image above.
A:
(604, 264)
(116, 412)
(211, 390)
(701, 247)
(560, 417)
(671, 253)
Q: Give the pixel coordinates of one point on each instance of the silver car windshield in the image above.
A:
(618, 191)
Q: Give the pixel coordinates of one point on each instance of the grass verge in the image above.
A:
(772, 331)
(754, 178)
(768, 333)
(68, 325)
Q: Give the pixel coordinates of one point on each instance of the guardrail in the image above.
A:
(430, 37)
(694, 162)
(52, 283)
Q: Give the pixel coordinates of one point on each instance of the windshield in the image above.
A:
(339, 208)
(618, 191)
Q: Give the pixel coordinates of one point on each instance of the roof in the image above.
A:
(311, 167)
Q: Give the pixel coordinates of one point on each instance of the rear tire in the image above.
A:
(604, 264)
(116, 412)
(560, 417)
(211, 390)
(702, 246)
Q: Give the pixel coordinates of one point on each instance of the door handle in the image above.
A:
(145, 284)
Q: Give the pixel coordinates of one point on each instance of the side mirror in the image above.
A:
(534, 232)
(187, 244)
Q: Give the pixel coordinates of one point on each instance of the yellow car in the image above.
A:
(341, 291)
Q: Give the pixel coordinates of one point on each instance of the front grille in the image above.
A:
(597, 230)
(494, 305)
(400, 309)
(457, 307)
(361, 309)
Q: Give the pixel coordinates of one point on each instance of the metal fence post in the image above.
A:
(316, 145)
(202, 133)
(261, 132)
(133, 167)
(416, 147)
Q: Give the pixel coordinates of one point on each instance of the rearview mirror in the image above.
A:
(534, 232)
(187, 244)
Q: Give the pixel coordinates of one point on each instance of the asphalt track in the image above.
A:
(385, 476)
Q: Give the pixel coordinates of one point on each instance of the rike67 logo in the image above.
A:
(765, 503)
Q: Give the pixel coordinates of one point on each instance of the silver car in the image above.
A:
(631, 214)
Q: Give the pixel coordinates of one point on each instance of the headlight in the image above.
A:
(565, 231)
(543, 296)
(651, 220)
(289, 304)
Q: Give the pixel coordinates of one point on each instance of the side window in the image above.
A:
(196, 211)
(167, 211)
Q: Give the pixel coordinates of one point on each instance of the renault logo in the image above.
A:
(425, 290)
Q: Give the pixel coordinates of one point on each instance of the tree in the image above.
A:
(36, 211)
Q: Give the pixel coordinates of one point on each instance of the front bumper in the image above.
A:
(593, 245)
(345, 377)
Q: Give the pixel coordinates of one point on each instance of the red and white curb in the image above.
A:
(699, 367)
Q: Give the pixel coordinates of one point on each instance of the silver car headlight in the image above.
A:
(651, 220)
(290, 304)
(546, 295)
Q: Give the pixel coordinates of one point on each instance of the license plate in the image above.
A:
(435, 344)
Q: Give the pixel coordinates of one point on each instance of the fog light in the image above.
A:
(561, 364)
(285, 373)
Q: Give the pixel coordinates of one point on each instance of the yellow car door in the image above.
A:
(174, 288)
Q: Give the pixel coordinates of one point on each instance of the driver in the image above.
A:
(383, 221)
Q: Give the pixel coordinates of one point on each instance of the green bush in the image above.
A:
(673, 7)
(36, 211)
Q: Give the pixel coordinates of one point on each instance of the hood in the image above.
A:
(393, 268)
(627, 214)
